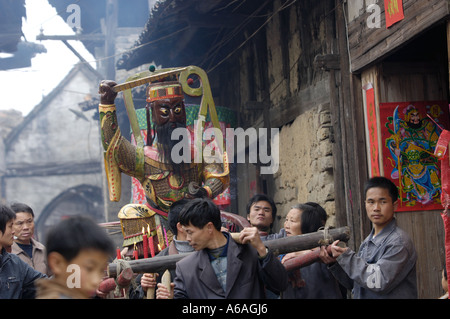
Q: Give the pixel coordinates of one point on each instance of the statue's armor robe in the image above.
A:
(161, 185)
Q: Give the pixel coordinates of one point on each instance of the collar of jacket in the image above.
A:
(384, 233)
(234, 264)
(224, 251)
(4, 257)
(16, 249)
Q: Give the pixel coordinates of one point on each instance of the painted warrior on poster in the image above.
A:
(410, 134)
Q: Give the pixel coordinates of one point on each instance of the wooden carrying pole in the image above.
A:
(305, 259)
(276, 246)
(141, 81)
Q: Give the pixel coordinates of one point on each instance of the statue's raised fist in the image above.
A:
(107, 95)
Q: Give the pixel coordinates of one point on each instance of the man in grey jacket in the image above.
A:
(221, 268)
(25, 246)
(385, 265)
(16, 277)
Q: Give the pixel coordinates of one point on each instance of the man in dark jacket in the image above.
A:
(179, 245)
(16, 277)
(220, 267)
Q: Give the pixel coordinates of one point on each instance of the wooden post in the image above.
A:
(448, 48)
(151, 291)
(165, 280)
(445, 215)
(276, 246)
(110, 38)
(306, 241)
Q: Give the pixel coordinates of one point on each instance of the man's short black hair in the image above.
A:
(382, 182)
(262, 197)
(6, 214)
(77, 233)
(174, 214)
(199, 212)
(21, 208)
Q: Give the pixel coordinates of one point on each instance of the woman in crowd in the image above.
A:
(313, 281)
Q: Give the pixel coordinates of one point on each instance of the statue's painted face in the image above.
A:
(169, 111)
(166, 101)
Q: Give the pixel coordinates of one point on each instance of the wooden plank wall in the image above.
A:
(427, 231)
(419, 81)
(399, 81)
(368, 45)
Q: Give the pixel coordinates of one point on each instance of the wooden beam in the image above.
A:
(276, 246)
(112, 12)
(448, 49)
(346, 112)
(327, 62)
(97, 37)
(300, 102)
(215, 21)
(50, 169)
(367, 45)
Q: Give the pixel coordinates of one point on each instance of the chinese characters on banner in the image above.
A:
(410, 132)
(393, 10)
(373, 133)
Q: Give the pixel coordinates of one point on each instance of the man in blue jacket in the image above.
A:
(16, 277)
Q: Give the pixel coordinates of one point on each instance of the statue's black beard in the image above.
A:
(165, 144)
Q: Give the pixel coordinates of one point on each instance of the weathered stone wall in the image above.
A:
(297, 89)
(306, 164)
(274, 83)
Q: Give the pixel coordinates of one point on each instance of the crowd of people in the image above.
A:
(71, 263)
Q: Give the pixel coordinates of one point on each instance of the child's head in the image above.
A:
(78, 251)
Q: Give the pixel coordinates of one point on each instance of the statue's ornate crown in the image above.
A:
(164, 90)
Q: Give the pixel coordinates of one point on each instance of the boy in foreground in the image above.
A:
(78, 251)
(385, 265)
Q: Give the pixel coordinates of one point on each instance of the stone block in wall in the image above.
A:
(330, 208)
(325, 178)
(328, 190)
(323, 133)
(322, 195)
(323, 108)
(324, 118)
(325, 163)
(312, 183)
(331, 221)
(325, 149)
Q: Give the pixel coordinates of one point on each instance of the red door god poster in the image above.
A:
(410, 131)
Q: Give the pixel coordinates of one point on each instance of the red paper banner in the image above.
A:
(393, 10)
(373, 133)
(410, 132)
